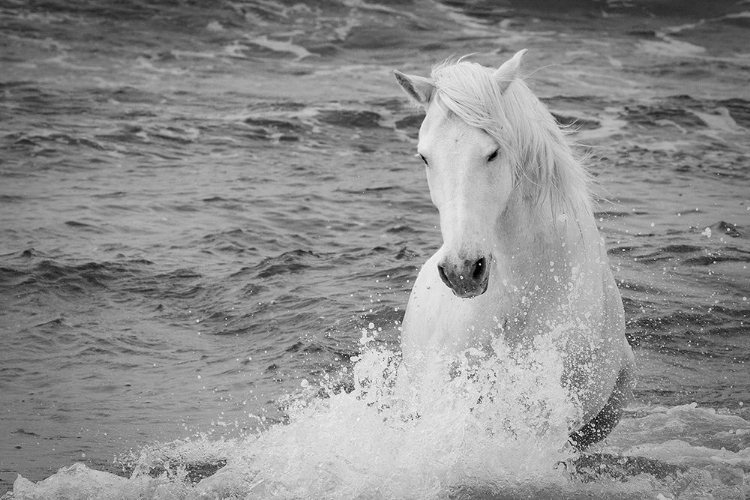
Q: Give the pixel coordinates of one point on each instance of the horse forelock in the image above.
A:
(546, 171)
(468, 91)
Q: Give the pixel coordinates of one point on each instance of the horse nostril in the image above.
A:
(479, 269)
(443, 276)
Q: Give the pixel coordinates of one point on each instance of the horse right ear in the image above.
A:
(418, 88)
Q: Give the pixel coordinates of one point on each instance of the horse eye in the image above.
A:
(493, 156)
(423, 158)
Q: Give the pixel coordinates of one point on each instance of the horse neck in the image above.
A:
(530, 233)
(549, 216)
(538, 260)
(548, 174)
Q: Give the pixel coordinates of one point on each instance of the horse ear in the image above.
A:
(418, 88)
(507, 72)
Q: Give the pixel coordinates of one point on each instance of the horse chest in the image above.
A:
(438, 320)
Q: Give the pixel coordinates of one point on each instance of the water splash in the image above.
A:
(493, 422)
(490, 426)
(490, 423)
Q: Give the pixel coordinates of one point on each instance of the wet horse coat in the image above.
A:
(521, 254)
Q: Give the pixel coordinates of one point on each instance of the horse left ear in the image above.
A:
(420, 89)
(507, 72)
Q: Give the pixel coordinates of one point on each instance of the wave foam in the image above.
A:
(491, 430)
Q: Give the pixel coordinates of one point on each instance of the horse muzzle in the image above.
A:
(468, 278)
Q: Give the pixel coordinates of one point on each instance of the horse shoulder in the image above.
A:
(604, 362)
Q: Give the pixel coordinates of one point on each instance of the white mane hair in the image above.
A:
(545, 167)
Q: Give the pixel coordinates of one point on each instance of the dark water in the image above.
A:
(204, 204)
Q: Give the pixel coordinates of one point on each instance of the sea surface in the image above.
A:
(211, 218)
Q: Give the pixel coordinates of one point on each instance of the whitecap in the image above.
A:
(670, 47)
(215, 26)
(279, 46)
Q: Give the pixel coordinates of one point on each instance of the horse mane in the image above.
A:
(545, 167)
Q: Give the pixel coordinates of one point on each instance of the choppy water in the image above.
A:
(204, 205)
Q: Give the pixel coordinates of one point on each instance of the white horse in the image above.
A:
(521, 253)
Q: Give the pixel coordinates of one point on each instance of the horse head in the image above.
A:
(469, 166)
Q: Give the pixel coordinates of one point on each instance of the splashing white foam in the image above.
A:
(488, 425)
(492, 423)
(493, 427)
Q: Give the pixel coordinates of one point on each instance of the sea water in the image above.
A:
(211, 219)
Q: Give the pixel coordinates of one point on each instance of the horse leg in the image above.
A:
(602, 424)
